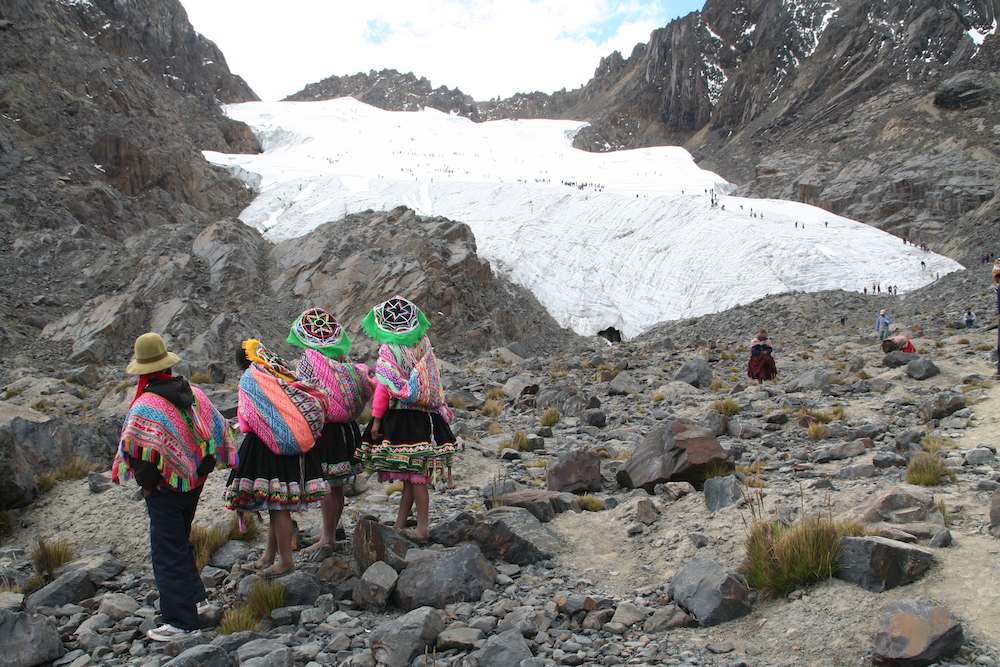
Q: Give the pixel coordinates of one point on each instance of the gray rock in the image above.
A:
(711, 593)
(300, 588)
(513, 534)
(942, 404)
(941, 539)
(922, 369)
(857, 471)
(257, 648)
(282, 657)
(203, 655)
(457, 574)
(503, 650)
(722, 492)
(28, 639)
(966, 90)
(914, 633)
(741, 428)
(17, 475)
(376, 585)
(696, 373)
(526, 620)
(397, 642)
(895, 359)
(577, 471)
(594, 417)
(229, 554)
(816, 378)
(625, 383)
(98, 483)
(543, 504)
(11, 601)
(628, 614)
(100, 566)
(995, 512)
(69, 588)
(463, 639)
(877, 564)
(118, 605)
(372, 542)
(677, 451)
(979, 456)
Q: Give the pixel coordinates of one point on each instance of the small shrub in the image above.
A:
(8, 587)
(540, 463)
(11, 393)
(862, 375)
(727, 356)
(755, 483)
(778, 558)
(926, 469)
(265, 597)
(752, 469)
(944, 512)
(717, 469)
(590, 503)
(923, 350)
(249, 521)
(657, 397)
(75, 469)
(550, 417)
(520, 441)
(557, 371)
(45, 481)
(938, 343)
(238, 619)
(200, 377)
(716, 385)
(495, 394)
(394, 487)
(40, 406)
(962, 341)
(726, 407)
(816, 430)
(984, 347)
(491, 408)
(5, 521)
(207, 540)
(47, 556)
(456, 402)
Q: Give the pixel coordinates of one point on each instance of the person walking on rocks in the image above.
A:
(761, 365)
(408, 438)
(882, 323)
(279, 470)
(172, 438)
(350, 387)
(901, 343)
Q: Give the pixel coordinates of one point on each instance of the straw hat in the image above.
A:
(151, 355)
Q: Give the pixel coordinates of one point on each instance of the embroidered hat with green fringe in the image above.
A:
(318, 330)
(396, 321)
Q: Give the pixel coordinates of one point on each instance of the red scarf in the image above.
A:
(144, 380)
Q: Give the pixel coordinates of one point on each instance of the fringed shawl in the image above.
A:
(348, 385)
(175, 440)
(412, 377)
(287, 415)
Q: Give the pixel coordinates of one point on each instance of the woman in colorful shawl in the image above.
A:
(901, 343)
(408, 438)
(350, 387)
(172, 438)
(279, 469)
(761, 365)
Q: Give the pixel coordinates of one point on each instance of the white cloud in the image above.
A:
(486, 48)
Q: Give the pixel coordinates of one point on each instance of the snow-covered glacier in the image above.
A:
(624, 239)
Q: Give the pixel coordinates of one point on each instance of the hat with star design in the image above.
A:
(396, 321)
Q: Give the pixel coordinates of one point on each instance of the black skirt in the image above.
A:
(413, 441)
(335, 448)
(264, 480)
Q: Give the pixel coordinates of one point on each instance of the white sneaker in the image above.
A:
(168, 633)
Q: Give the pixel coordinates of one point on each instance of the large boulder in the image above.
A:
(878, 564)
(711, 593)
(397, 642)
(905, 503)
(680, 451)
(577, 471)
(816, 378)
(544, 504)
(915, 633)
(373, 542)
(513, 534)
(966, 90)
(942, 404)
(28, 639)
(458, 574)
(70, 588)
(696, 373)
(17, 475)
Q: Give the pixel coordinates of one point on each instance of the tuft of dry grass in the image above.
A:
(207, 540)
(659, 396)
(728, 407)
(590, 503)
(456, 402)
(238, 619)
(755, 483)
(200, 377)
(77, 468)
(265, 597)
(494, 429)
(48, 556)
(716, 385)
(252, 527)
(520, 441)
(491, 409)
(816, 430)
(550, 417)
(926, 469)
(45, 481)
(495, 394)
(937, 443)
(717, 469)
(779, 558)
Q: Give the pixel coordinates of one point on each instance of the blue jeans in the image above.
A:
(177, 576)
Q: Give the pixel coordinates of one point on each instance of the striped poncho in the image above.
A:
(175, 440)
(348, 385)
(287, 413)
(410, 373)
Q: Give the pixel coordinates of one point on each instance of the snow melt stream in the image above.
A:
(624, 239)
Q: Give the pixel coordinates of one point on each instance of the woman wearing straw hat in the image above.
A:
(172, 438)
(350, 387)
(408, 438)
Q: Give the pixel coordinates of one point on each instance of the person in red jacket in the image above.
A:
(901, 343)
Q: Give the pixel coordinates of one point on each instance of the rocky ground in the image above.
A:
(624, 557)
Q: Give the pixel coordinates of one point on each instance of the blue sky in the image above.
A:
(487, 48)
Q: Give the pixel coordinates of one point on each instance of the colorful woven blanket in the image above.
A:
(156, 430)
(349, 385)
(412, 377)
(287, 415)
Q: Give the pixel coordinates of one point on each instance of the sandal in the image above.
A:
(270, 573)
(411, 535)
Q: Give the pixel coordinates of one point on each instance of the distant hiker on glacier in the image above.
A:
(761, 365)
(882, 323)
